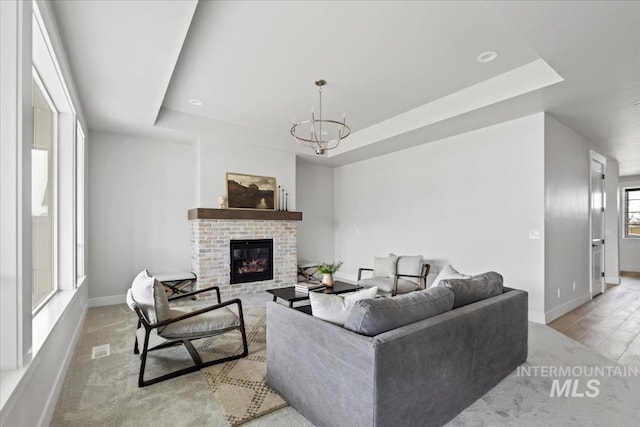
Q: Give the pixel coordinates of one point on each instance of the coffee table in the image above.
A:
(290, 295)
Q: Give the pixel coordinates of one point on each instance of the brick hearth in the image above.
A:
(210, 258)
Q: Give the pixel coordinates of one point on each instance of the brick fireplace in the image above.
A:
(212, 230)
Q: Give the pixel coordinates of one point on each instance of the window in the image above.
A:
(40, 217)
(43, 195)
(80, 163)
(57, 176)
(632, 212)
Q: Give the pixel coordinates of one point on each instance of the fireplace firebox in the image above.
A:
(251, 260)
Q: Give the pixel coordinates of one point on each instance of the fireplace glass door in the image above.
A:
(251, 260)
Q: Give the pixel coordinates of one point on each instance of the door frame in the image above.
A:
(595, 156)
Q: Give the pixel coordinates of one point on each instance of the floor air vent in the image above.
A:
(100, 351)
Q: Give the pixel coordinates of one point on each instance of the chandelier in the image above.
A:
(320, 134)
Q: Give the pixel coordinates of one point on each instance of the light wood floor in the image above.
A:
(609, 323)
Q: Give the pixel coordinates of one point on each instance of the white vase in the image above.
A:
(327, 280)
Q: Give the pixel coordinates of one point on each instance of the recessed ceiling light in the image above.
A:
(487, 56)
(194, 101)
(636, 103)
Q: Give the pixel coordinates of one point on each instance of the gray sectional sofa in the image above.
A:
(419, 374)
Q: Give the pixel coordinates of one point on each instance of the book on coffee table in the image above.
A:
(306, 286)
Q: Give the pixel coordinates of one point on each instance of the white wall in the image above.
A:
(140, 190)
(219, 156)
(567, 246)
(612, 228)
(629, 248)
(566, 219)
(139, 193)
(315, 188)
(470, 200)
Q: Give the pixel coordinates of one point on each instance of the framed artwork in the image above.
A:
(251, 192)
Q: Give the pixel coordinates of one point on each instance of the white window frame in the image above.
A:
(623, 211)
(54, 189)
(80, 203)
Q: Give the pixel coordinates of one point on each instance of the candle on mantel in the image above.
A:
(279, 199)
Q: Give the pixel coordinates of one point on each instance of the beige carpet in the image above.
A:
(239, 386)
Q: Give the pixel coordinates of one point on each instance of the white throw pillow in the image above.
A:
(142, 293)
(148, 294)
(448, 272)
(384, 266)
(334, 308)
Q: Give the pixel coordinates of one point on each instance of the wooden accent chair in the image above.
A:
(161, 324)
(395, 275)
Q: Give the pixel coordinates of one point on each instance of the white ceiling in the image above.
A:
(404, 72)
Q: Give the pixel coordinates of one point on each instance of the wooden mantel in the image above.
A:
(209, 213)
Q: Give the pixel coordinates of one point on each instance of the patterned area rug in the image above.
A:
(240, 386)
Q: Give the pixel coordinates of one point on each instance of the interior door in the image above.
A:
(597, 227)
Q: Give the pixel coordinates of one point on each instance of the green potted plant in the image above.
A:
(327, 271)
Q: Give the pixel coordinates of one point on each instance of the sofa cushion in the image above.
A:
(334, 308)
(384, 266)
(476, 288)
(448, 272)
(385, 285)
(373, 317)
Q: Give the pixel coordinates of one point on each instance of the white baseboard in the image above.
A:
(563, 309)
(612, 280)
(536, 317)
(111, 300)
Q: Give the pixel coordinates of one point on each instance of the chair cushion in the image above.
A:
(476, 288)
(148, 294)
(142, 295)
(375, 316)
(334, 308)
(219, 320)
(448, 272)
(384, 266)
(161, 300)
(385, 285)
(412, 265)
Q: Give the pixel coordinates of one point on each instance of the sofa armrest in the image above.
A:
(454, 358)
(316, 366)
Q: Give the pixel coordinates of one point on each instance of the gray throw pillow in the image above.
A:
(476, 288)
(374, 316)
